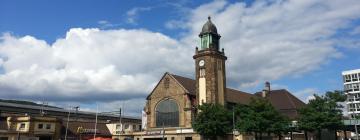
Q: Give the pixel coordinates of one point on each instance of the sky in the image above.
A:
(112, 53)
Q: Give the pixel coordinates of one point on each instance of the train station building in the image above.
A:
(171, 106)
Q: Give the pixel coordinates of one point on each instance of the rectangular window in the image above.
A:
(345, 88)
(350, 98)
(349, 88)
(48, 126)
(126, 126)
(357, 107)
(347, 78)
(40, 126)
(118, 126)
(351, 105)
(343, 78)
(354, 77)
(356, 87)
(202, 72)
(22, 126)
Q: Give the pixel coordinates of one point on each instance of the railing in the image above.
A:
(352, 99)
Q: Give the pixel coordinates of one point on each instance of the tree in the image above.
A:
(280, 124)
(323, 112)
(212, 120)
(260, 116)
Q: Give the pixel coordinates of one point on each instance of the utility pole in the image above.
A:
(42, 109)
(67, 124)
(18, 135)
(120, 124)
(120, 119)
(356, 131)
(76, 111)
(96, 116)
(233, 121)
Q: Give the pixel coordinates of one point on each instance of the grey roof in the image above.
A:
(208, 27)
(55, 109)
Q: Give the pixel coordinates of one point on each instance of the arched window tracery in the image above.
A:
(167, 113)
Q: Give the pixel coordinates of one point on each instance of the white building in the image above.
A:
(351, 80)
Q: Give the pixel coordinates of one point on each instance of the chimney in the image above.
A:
(266, 89)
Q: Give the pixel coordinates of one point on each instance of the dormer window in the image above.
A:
(22, 126)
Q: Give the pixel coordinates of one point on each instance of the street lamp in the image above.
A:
(68, 117)
(356, 131)
(67, 124)
(233, 121)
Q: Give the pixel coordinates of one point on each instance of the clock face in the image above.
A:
(201, 63)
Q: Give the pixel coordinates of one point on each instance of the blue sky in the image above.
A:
(50, 20)
(301, 46)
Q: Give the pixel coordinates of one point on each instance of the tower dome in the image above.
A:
(208, 27)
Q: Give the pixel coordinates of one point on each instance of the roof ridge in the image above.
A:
(239, 91)
(296, 98)
(177, 81)
(180, 76)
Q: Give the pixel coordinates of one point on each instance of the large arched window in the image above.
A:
(167, 114)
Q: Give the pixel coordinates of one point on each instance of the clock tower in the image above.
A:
(210, 67)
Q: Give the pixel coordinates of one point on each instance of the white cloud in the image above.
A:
(306, 94)
(88, 64)
(263, 42)
(269, 41)
(132, 14)
(311, 97)
(175, 24)
(104, 24)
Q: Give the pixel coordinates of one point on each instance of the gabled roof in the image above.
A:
(187, 83)
(171, 76)
(284, 101)
(281, 99)
(15, 108)
(236, 96)
(232, 95)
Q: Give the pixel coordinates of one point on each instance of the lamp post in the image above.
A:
(356, 131)
(120, 124)
(68, 117)
(233, 121)
(18, 135)
(67, 124)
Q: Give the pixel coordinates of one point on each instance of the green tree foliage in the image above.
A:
(259, 117)
(212, 120)
(322, 112)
